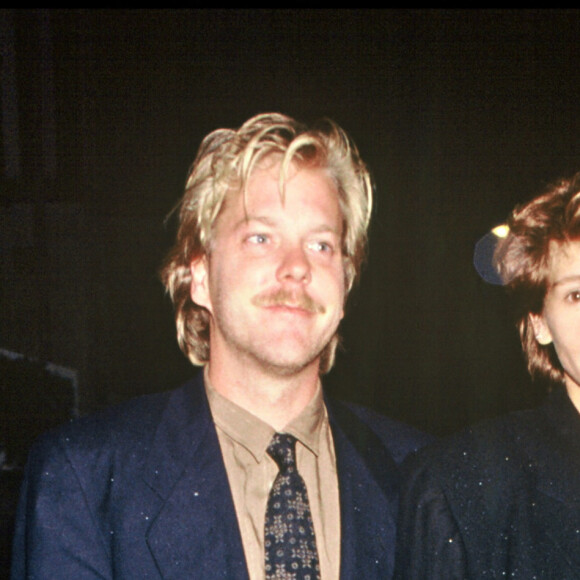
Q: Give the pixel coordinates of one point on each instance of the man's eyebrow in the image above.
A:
(271, 222)
(248, 219)
(324, 228)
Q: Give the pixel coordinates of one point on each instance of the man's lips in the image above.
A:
(287, 300)
(289, 308)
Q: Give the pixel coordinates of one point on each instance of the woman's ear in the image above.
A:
(541, 330)
(199, 290)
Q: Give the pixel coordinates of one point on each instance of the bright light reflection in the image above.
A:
(501, 231)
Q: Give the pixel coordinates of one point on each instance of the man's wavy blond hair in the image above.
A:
(523, 261)
(225, 161)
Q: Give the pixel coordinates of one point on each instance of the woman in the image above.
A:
(502, 500)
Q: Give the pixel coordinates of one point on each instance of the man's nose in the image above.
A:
(294, 265)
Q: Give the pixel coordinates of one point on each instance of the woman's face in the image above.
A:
(559, 321)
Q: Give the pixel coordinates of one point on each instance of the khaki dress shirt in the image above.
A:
(251, 472)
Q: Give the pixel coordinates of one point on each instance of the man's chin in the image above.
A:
(287, 366)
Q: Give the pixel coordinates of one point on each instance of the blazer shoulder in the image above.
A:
(120, 424)
(124, 430)
(400, 439)
(494, 450)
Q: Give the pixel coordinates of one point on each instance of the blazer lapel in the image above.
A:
(195, 534)
(368, 485)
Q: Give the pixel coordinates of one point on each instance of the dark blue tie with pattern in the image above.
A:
(289, 540)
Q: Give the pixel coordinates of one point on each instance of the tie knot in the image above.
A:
(282, 450)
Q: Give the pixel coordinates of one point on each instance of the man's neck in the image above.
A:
(275, 398)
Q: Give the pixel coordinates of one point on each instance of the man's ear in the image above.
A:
(541, 330)
(199, 291)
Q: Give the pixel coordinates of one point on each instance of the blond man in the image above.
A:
(247, 471)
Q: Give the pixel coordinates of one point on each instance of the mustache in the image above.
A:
(283, 297)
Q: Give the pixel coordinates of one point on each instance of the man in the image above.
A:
(247, 471)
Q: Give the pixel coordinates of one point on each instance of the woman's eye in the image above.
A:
(574, 296)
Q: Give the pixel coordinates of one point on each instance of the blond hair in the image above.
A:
(225, 160)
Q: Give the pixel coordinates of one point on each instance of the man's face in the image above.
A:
(274, 279)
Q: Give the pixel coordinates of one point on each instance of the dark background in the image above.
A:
(459, 114)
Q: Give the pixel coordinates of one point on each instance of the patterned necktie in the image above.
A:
(290, 544)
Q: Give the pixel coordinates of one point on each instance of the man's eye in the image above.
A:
(258, 239)
(574, 296)
(321, 247)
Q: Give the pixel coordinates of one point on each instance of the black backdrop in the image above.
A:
(460, 114)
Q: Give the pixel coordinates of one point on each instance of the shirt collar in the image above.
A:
(254, 434)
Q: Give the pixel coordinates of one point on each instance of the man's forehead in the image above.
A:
(273, 169)
(264, 189)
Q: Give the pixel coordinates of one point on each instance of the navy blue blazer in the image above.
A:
(140, 491)
(500, 500)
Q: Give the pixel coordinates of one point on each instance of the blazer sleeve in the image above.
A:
(56, 535)
(429, 543)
